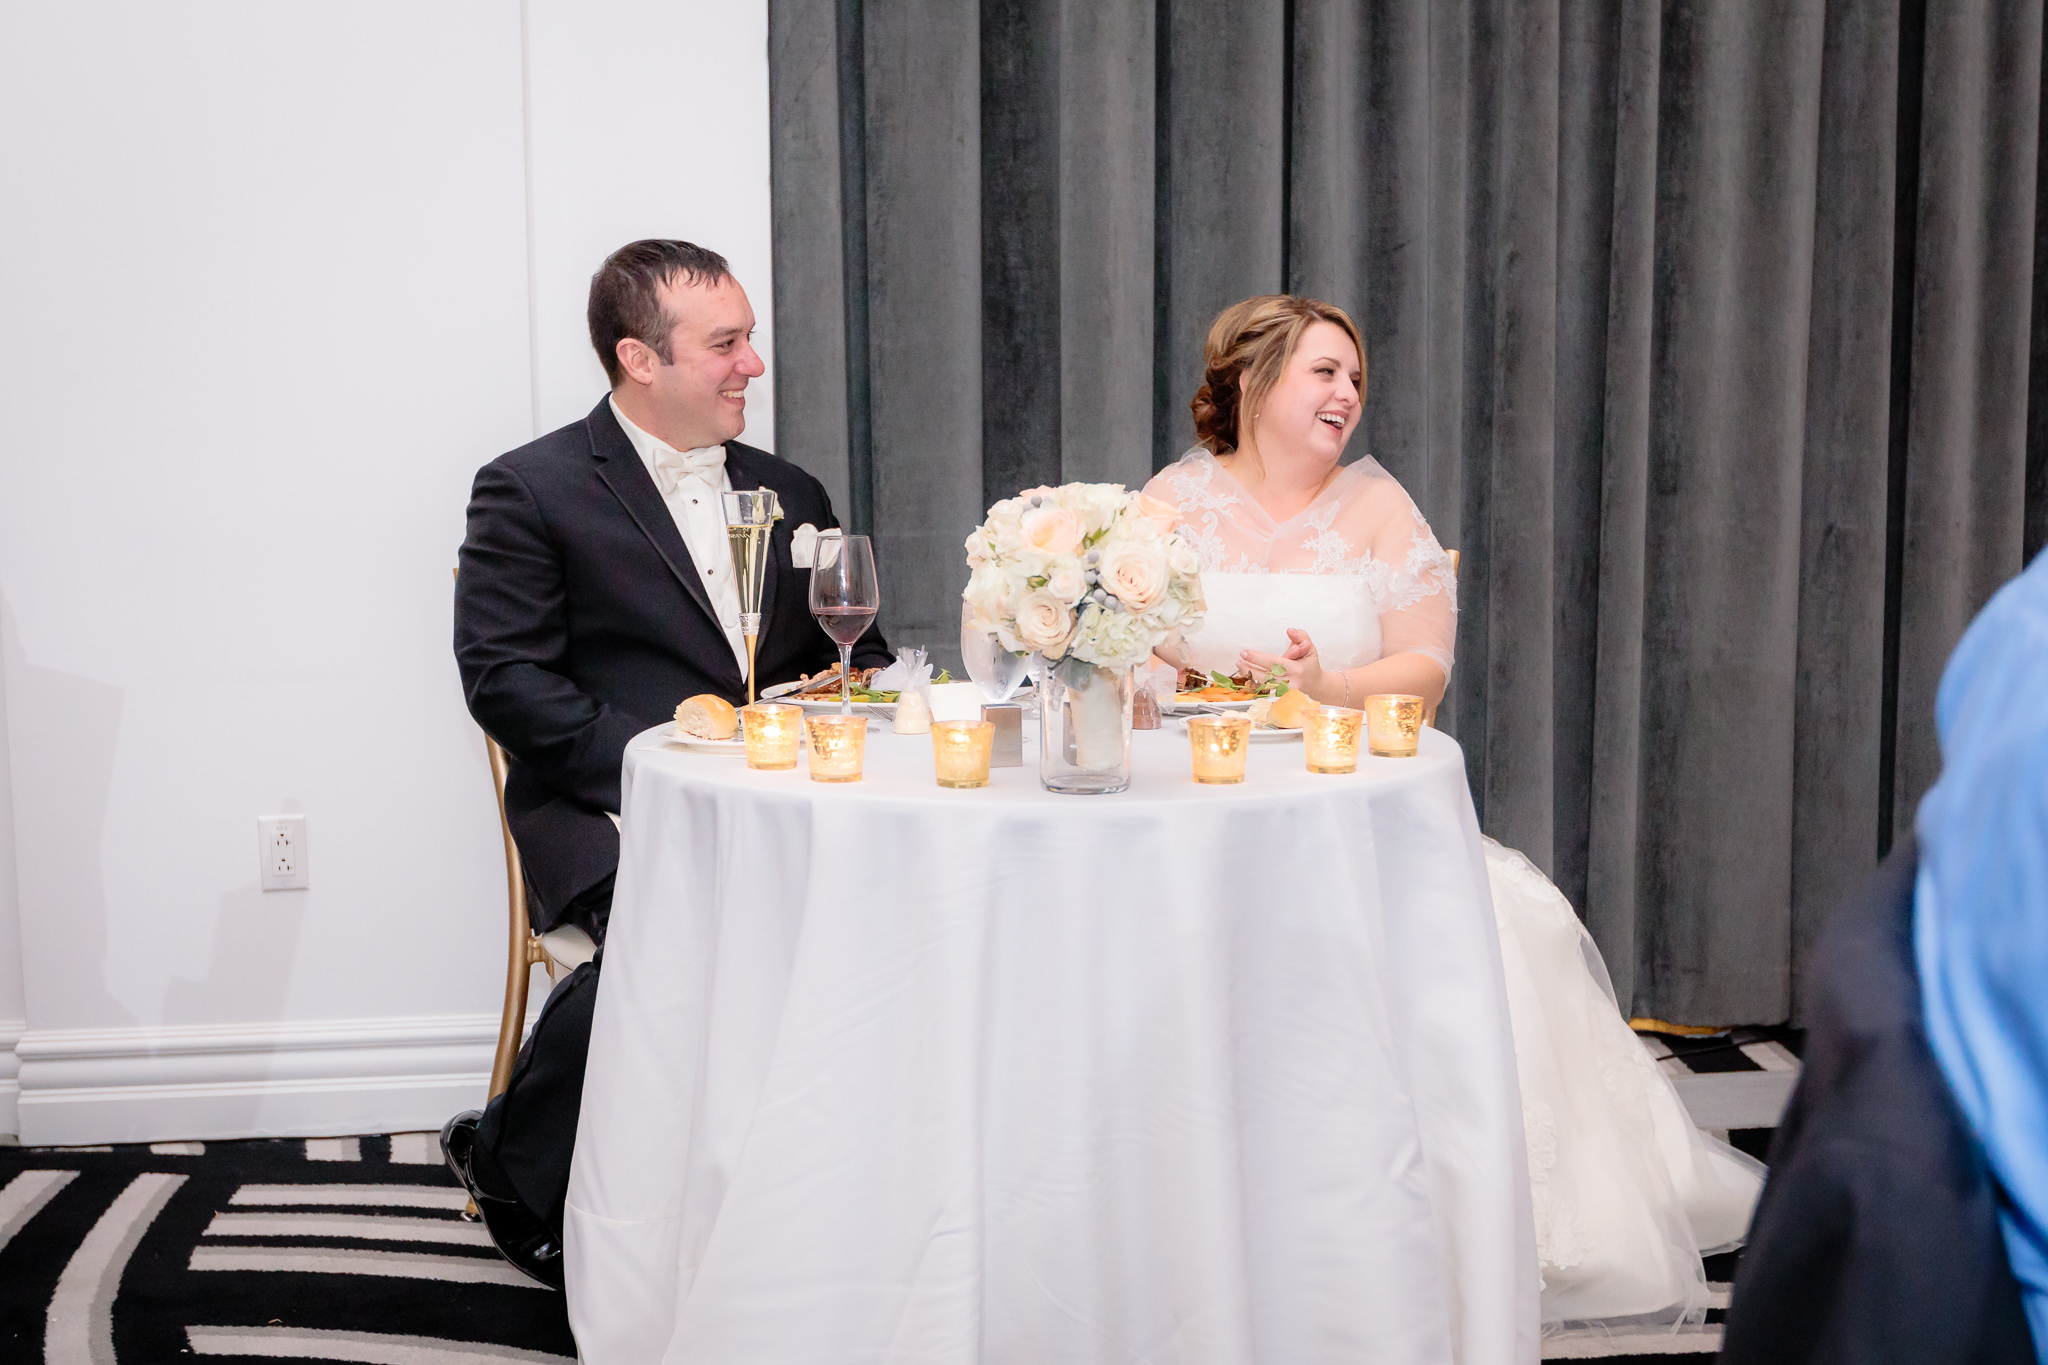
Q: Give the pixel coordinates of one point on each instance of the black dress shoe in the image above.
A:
(517, 1232)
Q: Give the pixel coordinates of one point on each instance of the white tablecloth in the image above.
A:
(887, 1072)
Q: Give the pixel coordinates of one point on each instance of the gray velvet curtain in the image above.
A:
(1710, 333)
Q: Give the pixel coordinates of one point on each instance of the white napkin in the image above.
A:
(956, 701)
(803, 543)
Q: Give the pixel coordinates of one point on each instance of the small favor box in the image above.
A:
(1007, 748)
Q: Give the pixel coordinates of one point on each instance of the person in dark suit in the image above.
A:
(595, 592)
(1906, 1215)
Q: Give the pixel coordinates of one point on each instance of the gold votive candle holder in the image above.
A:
(1393, 724)
(837, 743)
(1218, 746)
(961, 750)
(1330, 736)
(772, 732)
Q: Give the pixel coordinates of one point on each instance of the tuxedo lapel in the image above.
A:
(620, 468)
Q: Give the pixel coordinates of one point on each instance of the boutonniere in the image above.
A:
(803, 546)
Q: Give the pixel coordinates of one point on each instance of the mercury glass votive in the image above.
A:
(1393, 724)
(837, 743)
(1331, 737)
(1218, 746)
(772, 731)
(961, 750)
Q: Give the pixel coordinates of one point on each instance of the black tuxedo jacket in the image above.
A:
(1877, 1237)
(581, 620)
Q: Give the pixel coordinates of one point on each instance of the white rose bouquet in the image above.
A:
(1090, 572)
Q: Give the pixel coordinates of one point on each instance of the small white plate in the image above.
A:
(677, 735)
(1261, 734)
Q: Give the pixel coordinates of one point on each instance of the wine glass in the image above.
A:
(995, 670)
(844, 598)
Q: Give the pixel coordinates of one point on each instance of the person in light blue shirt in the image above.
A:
(1980, 905)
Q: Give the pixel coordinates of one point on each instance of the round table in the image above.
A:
(889, 1072)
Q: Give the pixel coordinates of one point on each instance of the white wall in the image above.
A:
(13, 1009)
(274, 281)
(662, 136)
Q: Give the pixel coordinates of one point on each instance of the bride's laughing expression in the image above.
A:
(1313, 407)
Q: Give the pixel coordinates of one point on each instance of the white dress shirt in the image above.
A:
(699, 515)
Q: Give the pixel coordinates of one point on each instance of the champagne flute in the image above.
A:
(995, 670)
(750, 516)
(844, 598)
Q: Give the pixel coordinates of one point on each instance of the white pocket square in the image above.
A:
(803, 546)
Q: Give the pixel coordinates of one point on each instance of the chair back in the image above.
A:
(523, 949)
(1429, 716)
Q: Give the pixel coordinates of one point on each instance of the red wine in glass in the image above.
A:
(847, 626)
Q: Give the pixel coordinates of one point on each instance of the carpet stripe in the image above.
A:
(178, 1148)
(416, 1149)
(407, 1265)
(1717, 1294)
(80, 1327)
(369, 1348)
(334, 1149)
(1698, 1341)
(368, 1226)
(23, 1197)
(379, 1196)
(1771, 1056)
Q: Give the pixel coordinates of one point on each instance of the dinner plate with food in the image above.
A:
(1198, 691)
(820, 691)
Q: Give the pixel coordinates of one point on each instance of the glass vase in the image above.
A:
(1084, 729)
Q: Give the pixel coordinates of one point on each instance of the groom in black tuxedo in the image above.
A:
(595, 593)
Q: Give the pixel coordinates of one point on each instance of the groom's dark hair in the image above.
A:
(625, 295)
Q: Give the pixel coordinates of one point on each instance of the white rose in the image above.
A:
(1135, 572)
(1064, 581)
(1181, 557)
(1052, 529)
(1043, 623)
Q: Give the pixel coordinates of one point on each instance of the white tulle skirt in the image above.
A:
(1628, 1193)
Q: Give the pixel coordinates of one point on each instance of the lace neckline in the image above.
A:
(1235, 491)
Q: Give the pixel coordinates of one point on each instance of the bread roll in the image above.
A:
(707, 717)
(1291, 709)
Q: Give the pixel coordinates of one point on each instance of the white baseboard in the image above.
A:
(80, 1086)
(10, 1067)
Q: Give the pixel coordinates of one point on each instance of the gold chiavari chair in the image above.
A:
(1429, 716)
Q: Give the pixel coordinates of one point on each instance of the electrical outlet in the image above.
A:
(281, 851)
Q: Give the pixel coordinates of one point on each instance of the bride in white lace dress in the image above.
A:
(1330, 573)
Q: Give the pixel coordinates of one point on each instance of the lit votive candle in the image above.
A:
(1331, 738)
(1393, 724)
(1218, 745)
(836, 746)
(961, 750)
(772, 731)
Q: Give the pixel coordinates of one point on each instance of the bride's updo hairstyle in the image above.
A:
(1248, 349)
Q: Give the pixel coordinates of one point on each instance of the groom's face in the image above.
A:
(700, 395)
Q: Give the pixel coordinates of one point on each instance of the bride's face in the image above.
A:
(1313, 407)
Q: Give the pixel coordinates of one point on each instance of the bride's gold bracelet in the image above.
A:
(1347, 685)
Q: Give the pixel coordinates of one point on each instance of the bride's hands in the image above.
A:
(1297, 663)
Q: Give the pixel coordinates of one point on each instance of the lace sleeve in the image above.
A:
(1413, 581)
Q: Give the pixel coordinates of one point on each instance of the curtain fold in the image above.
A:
(1706, 333)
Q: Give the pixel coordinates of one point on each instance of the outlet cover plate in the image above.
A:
(281, 852)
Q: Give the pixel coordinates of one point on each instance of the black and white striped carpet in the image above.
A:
(354, 1249)
(331, 1249)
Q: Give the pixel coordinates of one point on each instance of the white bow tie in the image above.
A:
(670, 466)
